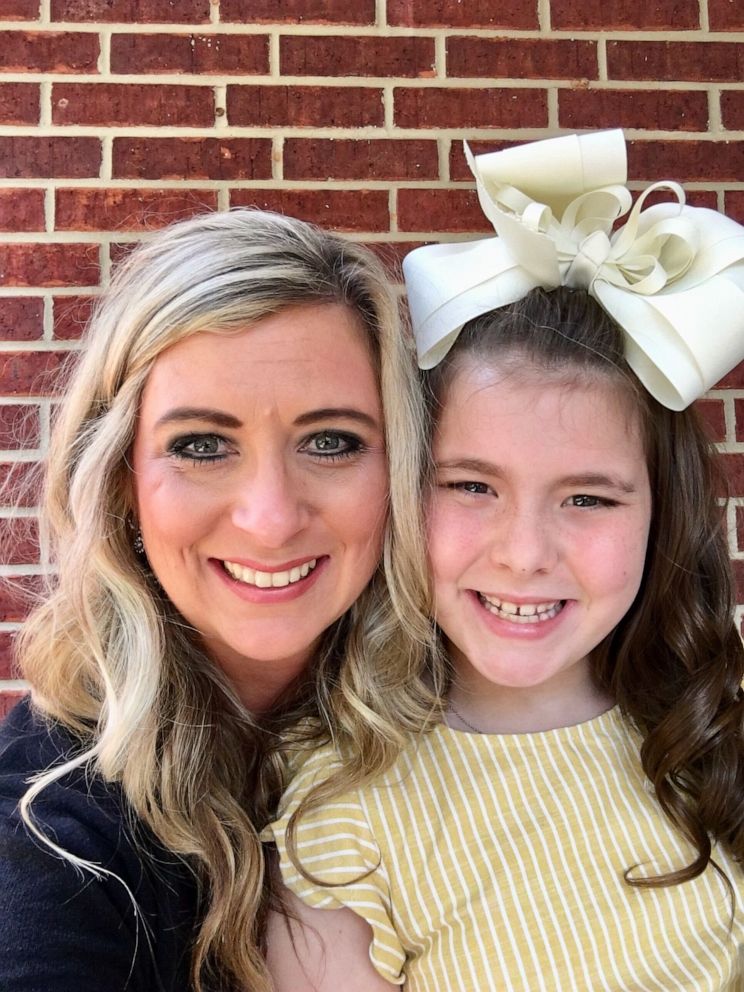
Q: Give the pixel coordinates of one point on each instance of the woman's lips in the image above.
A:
(277, 579)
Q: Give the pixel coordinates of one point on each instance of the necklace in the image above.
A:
(453, 709)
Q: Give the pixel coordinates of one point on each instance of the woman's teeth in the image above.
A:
(522, 612)
(269, 580)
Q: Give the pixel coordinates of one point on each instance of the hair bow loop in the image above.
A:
(672, 276)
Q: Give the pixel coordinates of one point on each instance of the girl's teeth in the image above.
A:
(524, 612)
(269, 580)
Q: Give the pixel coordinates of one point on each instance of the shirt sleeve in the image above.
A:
(338, 862)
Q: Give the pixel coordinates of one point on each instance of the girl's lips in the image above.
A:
(527, 619)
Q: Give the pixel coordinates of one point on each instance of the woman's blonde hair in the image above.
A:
(106, 653)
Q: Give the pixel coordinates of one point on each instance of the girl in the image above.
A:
(224, 463)
(576, 818)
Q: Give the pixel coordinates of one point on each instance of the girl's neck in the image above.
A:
(566, 700)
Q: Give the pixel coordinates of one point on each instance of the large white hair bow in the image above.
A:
(672, 276)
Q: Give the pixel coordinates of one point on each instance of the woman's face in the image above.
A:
(260, 483)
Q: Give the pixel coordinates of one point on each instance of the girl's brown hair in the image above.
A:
(675, 662)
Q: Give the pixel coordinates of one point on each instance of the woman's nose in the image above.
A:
(272, 506)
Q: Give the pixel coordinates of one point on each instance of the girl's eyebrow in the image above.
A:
(591, 479)
(181, 413)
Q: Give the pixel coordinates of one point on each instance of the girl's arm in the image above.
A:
(321, 950)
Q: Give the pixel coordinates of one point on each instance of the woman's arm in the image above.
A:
(321, 950)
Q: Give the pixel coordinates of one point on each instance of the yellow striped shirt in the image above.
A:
(496, 863)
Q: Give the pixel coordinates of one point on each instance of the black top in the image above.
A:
(62, 930)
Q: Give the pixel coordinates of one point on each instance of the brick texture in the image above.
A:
(637, 109)
(105, 104)
(70, 316)
(351, 210)
(456, 108)
(30, 373)
(19, 10)
(31, 157)
(305, 106)
(686, 161)
(522, 58)
(21, 318)
(518, 14)
(48, 51)
(440, 210)
(375, 159)
(49, 265)
(624, 15)
(321, 55)
(726, 15)
(19, 427)
(298, 11)
(19, 103)
(194, 53)
(128, 210)
(734, 205)
(132, 11)
(732, 110)
(672, 61)
(21, 209)
(192, 158)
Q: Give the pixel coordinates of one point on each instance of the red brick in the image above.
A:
(21, 209)
(30, 157)
(714, 417)
(192, 158)
(321, 55)
(7, 664)
(691, 161)
(337, 209)
(49, 265)
(19, 426)
(726, 15)
(71, 315)
(440, 210)
(734, 469)
(380, 158)
(737, 567)
(110, 104)
(522, 58)
(128, 209)
(19, 103)
(459, 168)
(732, 109)
(456, 14)
(740, 528)
(21, 318)
(298, 11)
(132, 11)
(209, 53)
(624, 15)
(675, 60)
(48, 51)
(643, 109)
(739, 415)
(734, 207)
(30, 373)
(17, 596)
(19, 10)
(305, 106)
(440, 107)
(8, 700)
(21, 541)
(20, 484)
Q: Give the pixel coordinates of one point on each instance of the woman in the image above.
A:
(216, 503)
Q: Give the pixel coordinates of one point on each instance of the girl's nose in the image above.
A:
(525, 542)
(272, 507)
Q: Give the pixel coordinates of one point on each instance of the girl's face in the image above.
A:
(261, 484)
(537, 532)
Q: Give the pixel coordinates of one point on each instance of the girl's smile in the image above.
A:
(537, 533)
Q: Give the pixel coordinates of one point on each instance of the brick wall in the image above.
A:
(118, 116)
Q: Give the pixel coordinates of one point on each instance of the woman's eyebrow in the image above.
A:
(336, 413)
(181, 413)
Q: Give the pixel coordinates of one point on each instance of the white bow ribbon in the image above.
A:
(672, 276)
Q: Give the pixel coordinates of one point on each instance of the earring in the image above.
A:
(138, 544)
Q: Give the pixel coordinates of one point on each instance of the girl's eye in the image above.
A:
(584, 501)
(474, 488)
(199, 448)
(332, 445)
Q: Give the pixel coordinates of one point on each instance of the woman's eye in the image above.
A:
(332, 444)
(199, 447)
